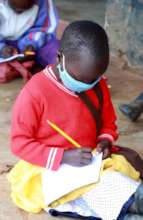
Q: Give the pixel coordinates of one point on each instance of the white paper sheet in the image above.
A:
(110, 194)
(4, 60)
(68, 178)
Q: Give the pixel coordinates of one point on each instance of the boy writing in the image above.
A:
(56, 94)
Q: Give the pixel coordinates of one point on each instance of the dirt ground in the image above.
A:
(82, 9)
(125, 85)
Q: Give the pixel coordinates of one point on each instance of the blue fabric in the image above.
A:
(121, 216)
(37, 43)
(126, 207)
(140, 97)
(56, 213)
(2, 44)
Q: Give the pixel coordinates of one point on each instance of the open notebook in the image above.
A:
(112, 192)
(68, 178)
(3, 60)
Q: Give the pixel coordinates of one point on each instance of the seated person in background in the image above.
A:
(29, 26)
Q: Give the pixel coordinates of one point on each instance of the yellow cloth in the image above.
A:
(26, 186)
(26, 183)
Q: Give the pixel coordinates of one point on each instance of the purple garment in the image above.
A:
(47, 54)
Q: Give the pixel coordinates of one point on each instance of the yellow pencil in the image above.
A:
(29, 53)
(66, 136)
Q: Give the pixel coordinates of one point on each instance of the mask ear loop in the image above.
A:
(64, 67)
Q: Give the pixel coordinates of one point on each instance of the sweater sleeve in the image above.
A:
(109, 128)
(25, 121)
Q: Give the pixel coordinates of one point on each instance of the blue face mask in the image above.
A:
(71, 83)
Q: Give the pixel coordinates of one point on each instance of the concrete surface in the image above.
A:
(82, 9)
(125, 84)
(124, 27)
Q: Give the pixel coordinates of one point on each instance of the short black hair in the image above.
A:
(88, 36)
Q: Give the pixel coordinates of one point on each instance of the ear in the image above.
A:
(59, 56)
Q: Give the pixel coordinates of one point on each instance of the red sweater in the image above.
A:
(44, 98)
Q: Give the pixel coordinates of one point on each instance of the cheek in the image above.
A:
(81, 72)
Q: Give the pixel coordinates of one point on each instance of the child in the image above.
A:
(73, 94)
(29, 26)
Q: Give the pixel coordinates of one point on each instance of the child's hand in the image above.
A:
(105, 147)
(77, 157)
(8, 51)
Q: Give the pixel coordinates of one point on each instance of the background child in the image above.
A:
(66, 93)
(29, 26)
